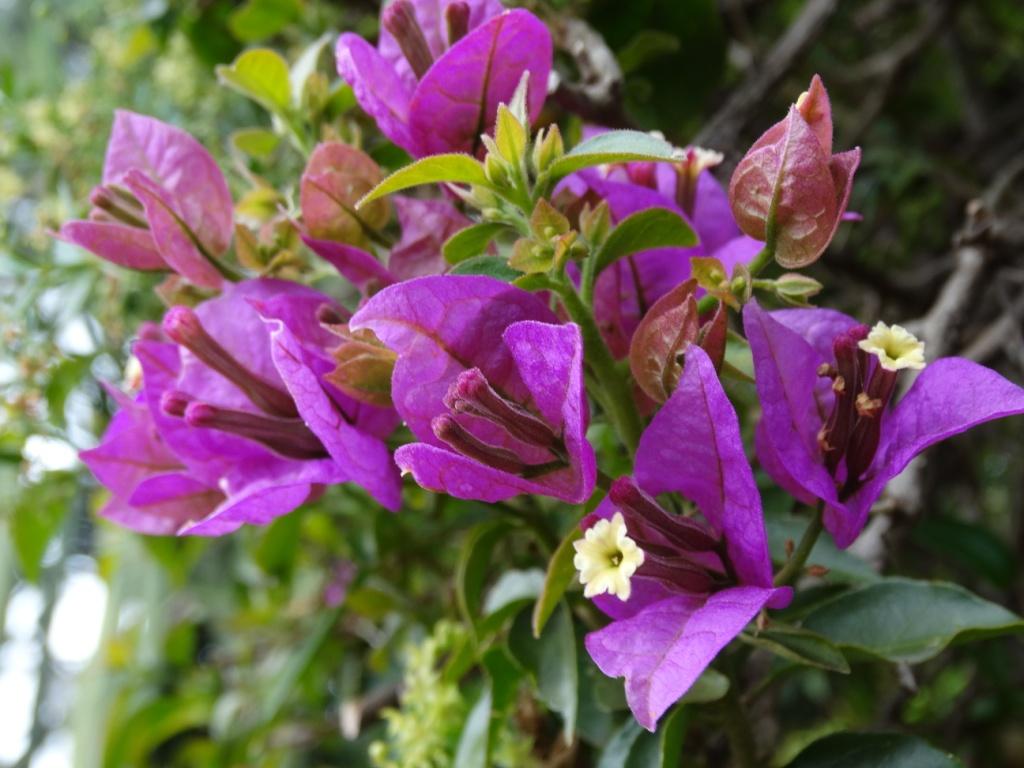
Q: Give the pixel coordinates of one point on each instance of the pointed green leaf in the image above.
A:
(454, 168)
(906, 620)
(551, 660)
(873, 750)
(492, 266)
(474, 742)
(614, 147)
(801, 646)
(643, 230)
(255, 142)
(470, 242)
(559, 576)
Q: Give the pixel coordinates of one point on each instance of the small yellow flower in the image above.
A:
(606, 558)
(895, 347)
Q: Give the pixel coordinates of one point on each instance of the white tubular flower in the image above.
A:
(606, 558)
(895, 347)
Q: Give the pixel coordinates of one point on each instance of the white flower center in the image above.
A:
(606, 558)
(895, 347)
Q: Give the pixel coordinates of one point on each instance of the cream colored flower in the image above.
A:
(606, 558)
(895, 347)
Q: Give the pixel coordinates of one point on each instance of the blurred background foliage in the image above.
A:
(283, 646)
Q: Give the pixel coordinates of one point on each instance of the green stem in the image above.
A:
(618, 396)
(791, 571)
(737, 728)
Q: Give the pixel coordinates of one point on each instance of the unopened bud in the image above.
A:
(547, 148)
(456, 21)
(449, 431)
(174, 403)
(183, 326)
(795, 289)
(596, 223)
(287, 437)
(399, 18)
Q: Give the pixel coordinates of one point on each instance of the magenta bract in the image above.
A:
(455, 98)
(699, 584)
(489, 383)
(163, 203)
(795, 354)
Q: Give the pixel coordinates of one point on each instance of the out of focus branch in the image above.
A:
(598, 95)
(723, 130)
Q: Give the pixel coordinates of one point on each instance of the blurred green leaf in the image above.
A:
(559, 576)
(873, 750)
(474, 742)
(905, 620)
(970, 544)
(37, 517)
(256, 142)
(259, 19)
(261, 75)
(842, 565)
(475, 560)
(285, 681)
(551, 660)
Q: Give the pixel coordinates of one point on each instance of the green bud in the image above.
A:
(510, 136)
(316, 92)
(796, 289)
(546, 222)
(547, 148)
(595, 224)
(496, 169)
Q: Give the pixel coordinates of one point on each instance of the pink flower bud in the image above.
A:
(789, 189)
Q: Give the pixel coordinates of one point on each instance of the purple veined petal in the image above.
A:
(785, 367)
(443, 471)
(130, 452)
(458, 97)
(362, 458)
(950, 396)
(381, 91)
(260, 492)
(664, 648)
(441, 326)
(550, 363)
(356, 265)
(712, 215)
(426, 225)
(162, 519)
(207, 453)
(181, 166)
(117, 243)
(693, 446)
(818, 327)
(170, 233)
(778, 472)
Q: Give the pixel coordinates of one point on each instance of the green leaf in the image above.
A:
(261, 75)
(710, 686)
(551, 660)
(454, 168)
(613, 147)
(474, 741)
(471, 241)
(474, 561)
(974, 545)
(557, 579)
(62, 381)
(842, 566)
(37, 517)
(286, 680)
(256, 142)
(616, 752)
(259, 19)
(661, 749)
(801, 646)
(643, 230)
(492, 266)
(513, 591)
(873, 750)
(905, 620)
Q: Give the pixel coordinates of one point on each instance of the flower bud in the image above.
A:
(364, 365)
(399, 18)
(547, 148)
(789, 189)
(796, 289)
(335, 179)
